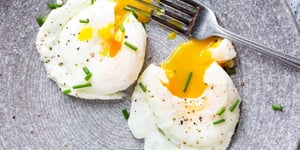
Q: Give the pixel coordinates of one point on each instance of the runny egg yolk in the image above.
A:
(192, 57)
(111, 37)
(120, 12)
(85, 34)
(111, 45)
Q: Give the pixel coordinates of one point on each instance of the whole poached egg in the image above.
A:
(189, 102)
(92, 49)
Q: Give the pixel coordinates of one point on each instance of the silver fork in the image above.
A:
(198, 21)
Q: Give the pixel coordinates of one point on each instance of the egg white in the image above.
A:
(166, 121)
(223, 52)
(64, 55)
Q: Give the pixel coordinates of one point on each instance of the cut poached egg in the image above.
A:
(67, 45)
(169, 118)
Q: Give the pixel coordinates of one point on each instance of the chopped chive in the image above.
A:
(53, 5)
(277, 107)
(143, 87)
(122, 28)
(86, 70)
(219, 121)
(128, 9)
(84, 21)
(132, 11)
(79, 86)
(187, 82)
(234, 104)
(92, 2)
(230, 71)
(137, 10)
(66, 92)
(125, 114)
(130, 46)
(221, 111)
(135, 15)
(88, 76)
(41, 21)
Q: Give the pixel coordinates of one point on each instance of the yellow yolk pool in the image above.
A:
(111, 42)
(189, 59)
(85, 34)
(110, 45)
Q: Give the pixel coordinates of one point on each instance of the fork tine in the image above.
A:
(169, 24)
(160, 10)
(177, 17)
(180, 8)
(191, 2)
(135, 9)
(166, 18)
(150, 5)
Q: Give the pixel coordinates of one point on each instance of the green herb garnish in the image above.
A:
(187, 82)
(84, 21)
(135, 15)
(88, 76)
(233, 105)
(92, 2)
(143, 87)
(53, 5)
(277, 107)
(122, 28)
(41, 21)
(128, 9)
(79, 86)
(66, 92)
(230, 71)
(219, 121)
(130, 46)
(86, 70)
(125, 114)
(221, 111)
(132, 11)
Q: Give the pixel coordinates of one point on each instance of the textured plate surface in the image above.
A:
(35, 115)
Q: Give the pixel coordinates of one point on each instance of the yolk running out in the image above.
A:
(120, 12)
(112, 41)
(110, 44)
(190, 57)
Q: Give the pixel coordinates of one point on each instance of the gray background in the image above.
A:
(295, 9)
(35, 115)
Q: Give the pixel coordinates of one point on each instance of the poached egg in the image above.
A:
(93, 50)
(189, 102)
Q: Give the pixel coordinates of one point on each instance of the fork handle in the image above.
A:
(282, 57)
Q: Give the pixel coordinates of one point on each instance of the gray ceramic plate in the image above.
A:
(35, 115)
